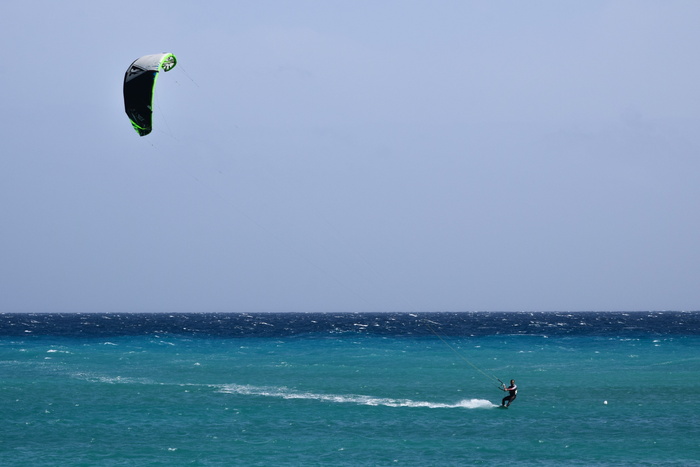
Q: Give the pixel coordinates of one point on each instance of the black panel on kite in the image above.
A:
(139, 83)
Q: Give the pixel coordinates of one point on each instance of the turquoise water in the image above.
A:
(349, 398)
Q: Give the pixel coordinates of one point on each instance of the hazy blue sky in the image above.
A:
(352, 156)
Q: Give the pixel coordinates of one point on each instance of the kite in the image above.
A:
(139, 84)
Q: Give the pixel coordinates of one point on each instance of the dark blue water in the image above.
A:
(380, 324)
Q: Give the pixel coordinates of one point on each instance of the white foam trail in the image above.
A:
(285, 393)
(96, 378)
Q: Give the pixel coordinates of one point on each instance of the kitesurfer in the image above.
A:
(512, 393)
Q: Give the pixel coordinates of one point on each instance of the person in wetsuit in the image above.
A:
(512, 393)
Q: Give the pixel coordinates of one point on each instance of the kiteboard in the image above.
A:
(502, 407)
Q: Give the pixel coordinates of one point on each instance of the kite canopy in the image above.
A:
(139, 83)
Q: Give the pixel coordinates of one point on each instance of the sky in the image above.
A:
(345, 156)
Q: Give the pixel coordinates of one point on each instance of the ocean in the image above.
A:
(324, 389)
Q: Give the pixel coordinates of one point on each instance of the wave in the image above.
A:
(285, 393)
